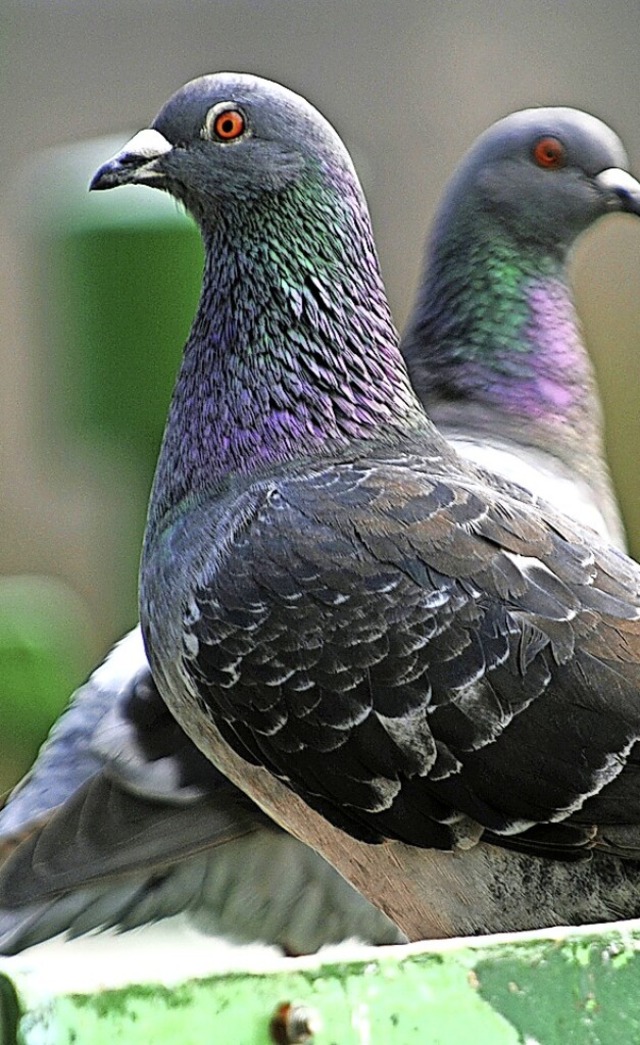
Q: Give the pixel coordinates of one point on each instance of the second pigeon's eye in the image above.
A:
(550, 153)
(225, 123)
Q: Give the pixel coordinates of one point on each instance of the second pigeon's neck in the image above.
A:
(495, 337)
(292, 352)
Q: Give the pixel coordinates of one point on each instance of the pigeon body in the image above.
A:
(482, 267)
(122, 822)
(494, 346)
(338, 607)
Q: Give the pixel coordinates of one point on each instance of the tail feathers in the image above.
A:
(109, 859)
(262, 887)
(73, 913)
(104, 833)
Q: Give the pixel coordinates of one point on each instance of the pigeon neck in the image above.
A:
(292, 352)
(495, 334)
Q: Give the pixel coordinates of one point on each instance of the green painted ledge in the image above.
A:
(553, 987)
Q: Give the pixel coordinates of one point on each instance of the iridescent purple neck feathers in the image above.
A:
(495, 333)
(561, 375)
(293, 351)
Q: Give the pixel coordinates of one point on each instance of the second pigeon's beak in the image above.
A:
(134, 163)
(619, 183)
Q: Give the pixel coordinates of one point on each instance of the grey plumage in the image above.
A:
(334, 604)
(131, 899)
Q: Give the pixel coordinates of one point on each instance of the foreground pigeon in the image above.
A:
(49, 885)
(411, 664)
(52, 886)
(493, 346)
(122, 822)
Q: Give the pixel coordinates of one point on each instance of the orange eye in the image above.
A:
(228, 125)
(550, 153)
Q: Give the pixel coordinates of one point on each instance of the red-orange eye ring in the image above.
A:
(549, 153)
(228, 125)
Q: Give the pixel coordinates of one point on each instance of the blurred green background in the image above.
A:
(408, 84)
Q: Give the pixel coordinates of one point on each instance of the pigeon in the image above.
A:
(412, 664)
(493, 345)
(74, 754)
(122, 822)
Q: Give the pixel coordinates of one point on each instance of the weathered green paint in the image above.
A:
(416, 1001)
(578, 991)
(553, 988)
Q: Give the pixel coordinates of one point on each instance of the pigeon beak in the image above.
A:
(134, 163)
(623, 186)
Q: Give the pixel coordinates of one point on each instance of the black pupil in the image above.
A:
(227, 126)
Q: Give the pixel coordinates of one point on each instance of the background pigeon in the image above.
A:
(494, 346)
(164, 875)
(335, 604)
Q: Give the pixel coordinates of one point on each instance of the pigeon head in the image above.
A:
(293, 348)
(227, 139)
(546, 174)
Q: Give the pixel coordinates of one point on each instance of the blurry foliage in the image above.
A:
(128, 295)
(44, 654)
